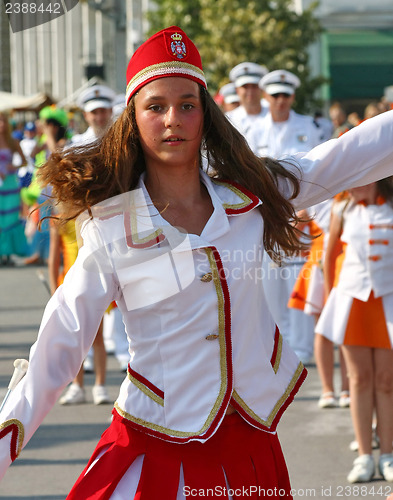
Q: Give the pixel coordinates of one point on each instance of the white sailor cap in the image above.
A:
(280, 81)
(247, 72)
(229, 93)
(97, 96)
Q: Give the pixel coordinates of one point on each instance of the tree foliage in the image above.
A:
(228, 32)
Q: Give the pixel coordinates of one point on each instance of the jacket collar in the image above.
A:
(235, 199)
(145, 227)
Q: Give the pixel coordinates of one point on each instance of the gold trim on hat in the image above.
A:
(163, 69)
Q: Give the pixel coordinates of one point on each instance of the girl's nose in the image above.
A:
(172, 118)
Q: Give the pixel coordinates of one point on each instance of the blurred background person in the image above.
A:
(63, 250)
(247, 115)
(96, 102)
(230, 98)
(54, 123)
(283, 131)
(28, 144)
(338, 116)
(372, 109)
(12, 236)
(358, 316)
(309, 295)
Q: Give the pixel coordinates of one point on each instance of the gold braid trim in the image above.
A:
(268, 422)
(223, 367)
(279, 353)
(166, 66)
(221, 327)
(142, 387)
(21, 432)
(134, 231)
(246, 200)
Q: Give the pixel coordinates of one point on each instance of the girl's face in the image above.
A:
(366, 193)
(169, 116)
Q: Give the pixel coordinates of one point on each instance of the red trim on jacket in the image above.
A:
(145, 382)
(228, 394)
(275, 348)
(277, 418)
(254, 200)
(130, 241)
(13, 428)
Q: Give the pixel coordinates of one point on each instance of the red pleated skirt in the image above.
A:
(238, 460)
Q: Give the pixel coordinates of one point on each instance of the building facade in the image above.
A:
(96, 38)
(61, 56)
(356, 50)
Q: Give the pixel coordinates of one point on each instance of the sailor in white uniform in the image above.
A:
(283, 131)
(96, 103)
(246, 117)
(230, 98)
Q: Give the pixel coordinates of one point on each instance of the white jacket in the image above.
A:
(368, 261)
(278, 139)
(245, 123)
(198, 341)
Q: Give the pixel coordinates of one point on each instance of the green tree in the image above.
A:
(228, 32)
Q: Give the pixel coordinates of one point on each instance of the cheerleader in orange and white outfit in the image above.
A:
(359, 315)
(309, 295)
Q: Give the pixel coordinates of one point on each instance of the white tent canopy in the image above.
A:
(15, 102)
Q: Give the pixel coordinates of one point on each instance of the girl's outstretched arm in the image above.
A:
(361, 156)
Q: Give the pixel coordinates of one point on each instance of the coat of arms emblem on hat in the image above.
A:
(178, 47)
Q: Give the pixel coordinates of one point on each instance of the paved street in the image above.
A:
(315, 441)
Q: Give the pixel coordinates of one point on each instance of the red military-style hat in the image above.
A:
(167, 53)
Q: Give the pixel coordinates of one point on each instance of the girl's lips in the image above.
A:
(174, 139)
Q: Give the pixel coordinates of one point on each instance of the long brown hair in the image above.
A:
(83, 176)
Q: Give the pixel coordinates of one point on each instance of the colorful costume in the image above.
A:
(308, 293)
(359, 310)
(69, 247)
(12, 237)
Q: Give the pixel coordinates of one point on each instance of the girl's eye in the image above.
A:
(155, 107)
(188, 106)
